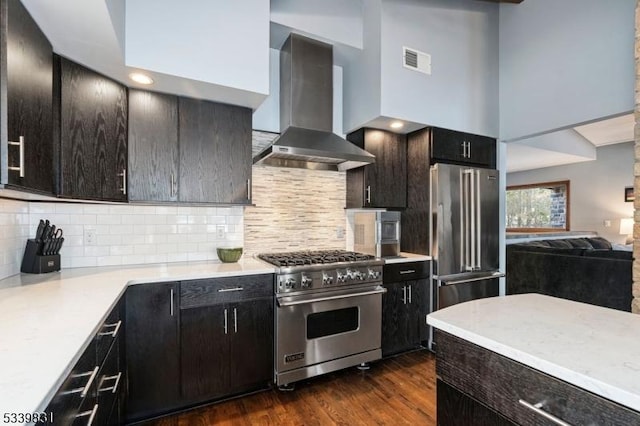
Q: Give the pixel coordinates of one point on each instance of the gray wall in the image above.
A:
(462, 38)
(597, 188)
(563, 63)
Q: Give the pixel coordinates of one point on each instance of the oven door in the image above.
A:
(320, 327)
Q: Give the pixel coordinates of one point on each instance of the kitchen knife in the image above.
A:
(45, 247)
(58, 245)
(39, 230)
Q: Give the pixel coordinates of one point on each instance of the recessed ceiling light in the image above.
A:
(396, 124)
(140, 78)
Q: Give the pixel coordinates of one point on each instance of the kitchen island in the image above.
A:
(534, 359)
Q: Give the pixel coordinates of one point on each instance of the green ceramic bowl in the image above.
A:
(229, 254)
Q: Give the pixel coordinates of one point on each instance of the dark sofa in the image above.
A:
(582, 269)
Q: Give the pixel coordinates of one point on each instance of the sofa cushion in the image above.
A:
(599, 243)
(579, 243)
(559, 244)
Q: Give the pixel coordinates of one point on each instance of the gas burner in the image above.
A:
(301, 258)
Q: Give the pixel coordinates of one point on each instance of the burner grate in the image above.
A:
(301, 258)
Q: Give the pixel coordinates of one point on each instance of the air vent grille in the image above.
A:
(416, 60)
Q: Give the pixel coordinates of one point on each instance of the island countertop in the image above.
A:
(594, 348)
(47, 320)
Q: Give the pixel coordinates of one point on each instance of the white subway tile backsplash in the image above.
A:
(124, 234)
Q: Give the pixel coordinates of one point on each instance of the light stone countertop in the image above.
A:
(407, 257)
(591, 347)
(47, 320)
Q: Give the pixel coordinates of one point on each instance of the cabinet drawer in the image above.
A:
(212, 291)
(110, 381)
(78, 387)
(501, 383)
(405, 271)
(109, 331)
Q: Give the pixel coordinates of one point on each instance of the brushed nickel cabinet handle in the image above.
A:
(249, 190)
(91, 414)
(226, 290)
(111, 333)
(225, 321)
(171, 303)
(124, 181)
(174, 186)
(409, 286)
(407, 271)
(404, 295)
(113, 388)
(20, 167)
(85, 389)
(537, 408)
(235, 320)
(368, 194)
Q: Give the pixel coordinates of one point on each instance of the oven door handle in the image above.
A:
(378, 290)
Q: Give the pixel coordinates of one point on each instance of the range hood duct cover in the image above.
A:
(306, 112)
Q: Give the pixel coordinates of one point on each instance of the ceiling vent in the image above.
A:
(416, 60)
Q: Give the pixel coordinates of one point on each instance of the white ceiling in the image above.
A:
(525, 155)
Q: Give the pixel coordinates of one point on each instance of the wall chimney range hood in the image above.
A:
(306, 112)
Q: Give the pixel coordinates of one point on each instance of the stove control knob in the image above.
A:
(341, 277)
(290, 283)
(374, 275)
(360, 275)
(306, 281)
(351, 274)
(326, 279)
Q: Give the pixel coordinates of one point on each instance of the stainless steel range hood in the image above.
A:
(306, 112)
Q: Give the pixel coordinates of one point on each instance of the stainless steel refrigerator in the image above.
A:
(464, 240)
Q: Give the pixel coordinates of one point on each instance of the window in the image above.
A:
(538, 207)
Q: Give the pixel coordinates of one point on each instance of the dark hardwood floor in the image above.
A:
(399, 390)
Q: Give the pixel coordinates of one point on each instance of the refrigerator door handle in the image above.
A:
(470, 280)
(463, 263)
(478, 262)
(474, 212)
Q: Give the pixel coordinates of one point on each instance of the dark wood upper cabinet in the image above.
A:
(215, 152)
(93, 134)
(153, 146)
(449, 146)
(28, 157)
(384, 183)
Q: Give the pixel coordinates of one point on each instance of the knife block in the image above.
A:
(33, 263)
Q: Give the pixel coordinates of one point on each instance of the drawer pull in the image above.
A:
(407, 271)
(226, 290)
(537, 408)
(85, 389)
(113, 388)
(111, 333)
(91, 414)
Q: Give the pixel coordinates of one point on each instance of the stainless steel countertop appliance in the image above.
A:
(328, 312)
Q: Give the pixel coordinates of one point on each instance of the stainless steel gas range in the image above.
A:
(328, 312)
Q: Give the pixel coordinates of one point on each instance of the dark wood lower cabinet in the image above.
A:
(226, 349)
(404, 306)
(153, 351)
(459, 409)
(194, 342)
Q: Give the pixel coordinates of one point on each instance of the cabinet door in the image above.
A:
(153, 146)
(398, 322)
(482, 151)
(29, 100)
(153, 353)
(215, 152)
(447, 146)
(455, 408)
(204, 334)
(384, 183)
(251, 350)
(93, 134)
